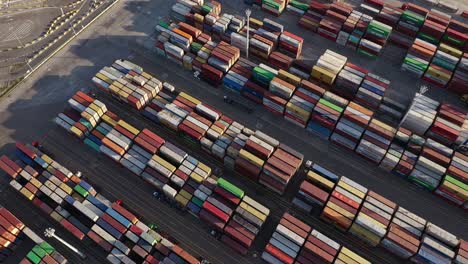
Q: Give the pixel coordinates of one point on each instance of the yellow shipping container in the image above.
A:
(253, 211)
(27, 193)
(164, 163)
(35, 182)
(89, 118)
(118, 84)
(297, 110)
(104, 78)
(375, 222)
(200, 59)
(204, 168)
(109, 120)
(346, 259)
(255, 22)
(56, 216)
(319, 180)
(181, 200)
(340, 210)
(251, 157)
(114, 89)
(123, 95)
(323, 75)
(190, 98)
(66, 188)
(354, 256)
(351, 189)
(451, 50)
(441, 75)
(76, 132)
(185, 194)
(128, 127)
(289, 77)
(146, 75)
(383, 125)
(97, 109)
(196, 177)
(217, 129)
(199, 18)
(47, 159)
(127, 89)
(456, 189)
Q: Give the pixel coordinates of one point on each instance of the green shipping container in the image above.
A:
(39, 251)
(331, 105)
(230, 187)
(33, 257)
(444, 64)
(365, 53)
(455, 41)
(81, 191)
(412, 18)
(85, 123)
(416, 64)
(421, 183)
(91, 144)
(428, 38)
(164, 24)
(299, 5)
(456, 182)
(197, 201)
(47, 247)
(195, 46)
(102, 130)
(271, 4)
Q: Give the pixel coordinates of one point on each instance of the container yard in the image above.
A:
(243, 132)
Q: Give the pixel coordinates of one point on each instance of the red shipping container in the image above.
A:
(238, 236)
(71, 228)
(274, 251)
(216, 211)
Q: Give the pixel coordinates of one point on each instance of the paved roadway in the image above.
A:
(27, 111)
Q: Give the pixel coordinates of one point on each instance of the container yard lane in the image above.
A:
(137, 195)
(271, 200)
(323, 152)
(35, 102)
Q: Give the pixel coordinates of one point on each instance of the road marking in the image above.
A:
(19, 30)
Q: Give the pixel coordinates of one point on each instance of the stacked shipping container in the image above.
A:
(295, 242)
(344, 203)
(77, 206)
(315, 190)
(398, 151)
(13, 235)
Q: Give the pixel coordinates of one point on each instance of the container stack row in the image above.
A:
(15, 234)
(293, 241)
(286, 242)
(250, 153)
(396, 150)
(82, 211)
(375, 219)
(454, 186)
(368, 27)
(344, 203)
(187, 182)
(316, 189)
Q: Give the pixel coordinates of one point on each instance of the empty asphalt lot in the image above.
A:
(27, 113)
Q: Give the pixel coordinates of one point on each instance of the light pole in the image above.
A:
(247, 14)
(50, 232)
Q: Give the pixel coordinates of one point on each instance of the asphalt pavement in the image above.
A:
(26, 114)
